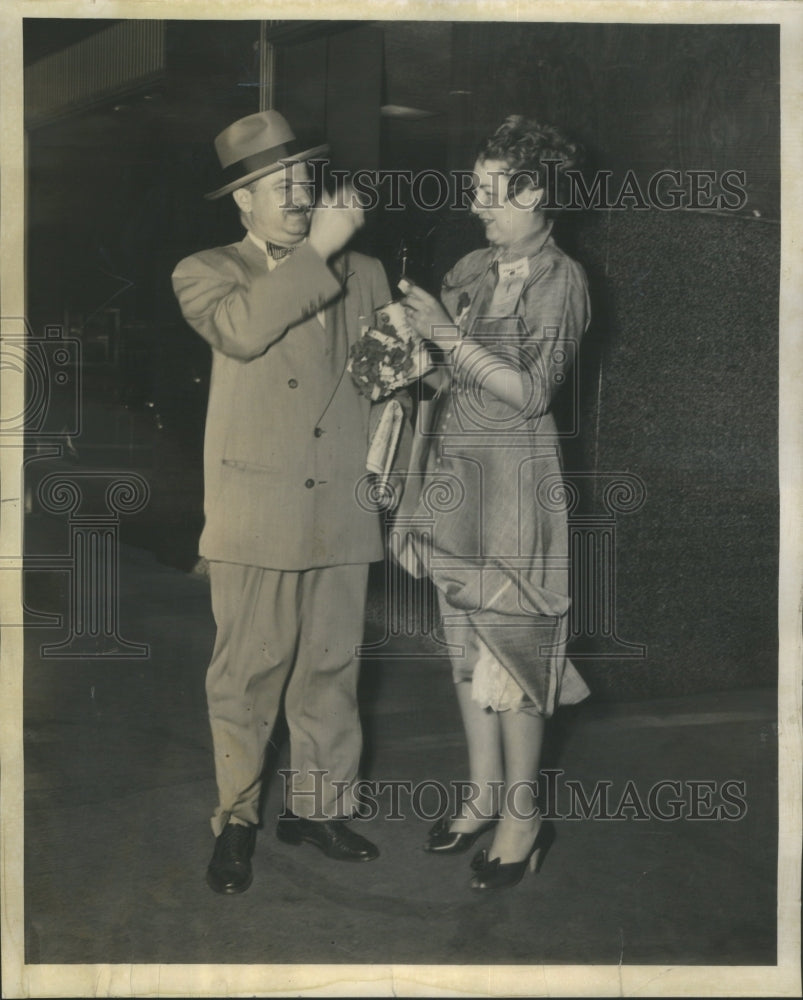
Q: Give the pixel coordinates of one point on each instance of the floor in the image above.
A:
(119, 788)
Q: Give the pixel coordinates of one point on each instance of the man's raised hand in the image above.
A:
(335, 219)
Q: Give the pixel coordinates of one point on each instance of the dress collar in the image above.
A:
(527, 247)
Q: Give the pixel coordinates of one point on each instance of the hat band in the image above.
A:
(266, 158)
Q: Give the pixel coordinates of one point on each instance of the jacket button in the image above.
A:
(293, 383)
(318, 431)
(309, 483)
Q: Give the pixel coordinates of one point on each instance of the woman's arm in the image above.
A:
(536, 345)
(475, 364)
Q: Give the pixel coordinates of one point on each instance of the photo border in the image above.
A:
(408, 980)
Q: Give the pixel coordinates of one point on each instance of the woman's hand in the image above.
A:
(429, 319)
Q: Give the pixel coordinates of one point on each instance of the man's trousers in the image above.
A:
(296, 632)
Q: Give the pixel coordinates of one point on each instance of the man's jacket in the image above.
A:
(286, 430)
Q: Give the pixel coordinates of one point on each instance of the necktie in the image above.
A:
(277, 252)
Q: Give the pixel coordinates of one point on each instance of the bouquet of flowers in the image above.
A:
(387, 356)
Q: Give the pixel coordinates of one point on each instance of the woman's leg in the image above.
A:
(522, 737)
(486, 767)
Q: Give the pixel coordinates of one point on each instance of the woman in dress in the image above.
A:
(489, 524)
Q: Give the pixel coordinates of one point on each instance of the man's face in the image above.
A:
(278, 207)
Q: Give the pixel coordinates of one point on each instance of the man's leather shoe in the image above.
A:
(332, 836)
(229, 870)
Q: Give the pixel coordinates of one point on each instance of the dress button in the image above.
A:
(318, 431)
(309, 483)
(293, 383)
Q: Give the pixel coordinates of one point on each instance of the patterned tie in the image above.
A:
(277, 252)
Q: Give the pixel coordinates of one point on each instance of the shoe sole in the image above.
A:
(227, 890)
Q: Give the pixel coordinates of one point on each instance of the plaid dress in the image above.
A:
(484, 512)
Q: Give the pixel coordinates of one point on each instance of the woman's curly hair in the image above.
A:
(525, 145)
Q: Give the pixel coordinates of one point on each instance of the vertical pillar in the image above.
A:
(267, 68)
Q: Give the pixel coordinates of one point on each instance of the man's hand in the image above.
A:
(429, 319)
(335, 219)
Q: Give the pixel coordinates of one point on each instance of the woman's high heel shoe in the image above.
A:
(442, 841)
(494, 875)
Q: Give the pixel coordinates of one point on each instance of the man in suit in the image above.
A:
(287, 542)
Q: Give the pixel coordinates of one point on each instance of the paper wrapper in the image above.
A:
(385, 440)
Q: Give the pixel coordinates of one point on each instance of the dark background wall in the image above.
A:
(641, 97)
(677, 378)
(686, 399)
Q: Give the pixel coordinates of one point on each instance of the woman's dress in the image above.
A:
(484, 512)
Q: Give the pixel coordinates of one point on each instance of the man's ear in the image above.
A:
(242, 199)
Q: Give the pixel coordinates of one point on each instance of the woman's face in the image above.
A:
(506, 222)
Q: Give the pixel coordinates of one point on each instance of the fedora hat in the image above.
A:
(254, 146)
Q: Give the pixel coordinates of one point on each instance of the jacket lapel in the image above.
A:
(338, 314)
(254, 256)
